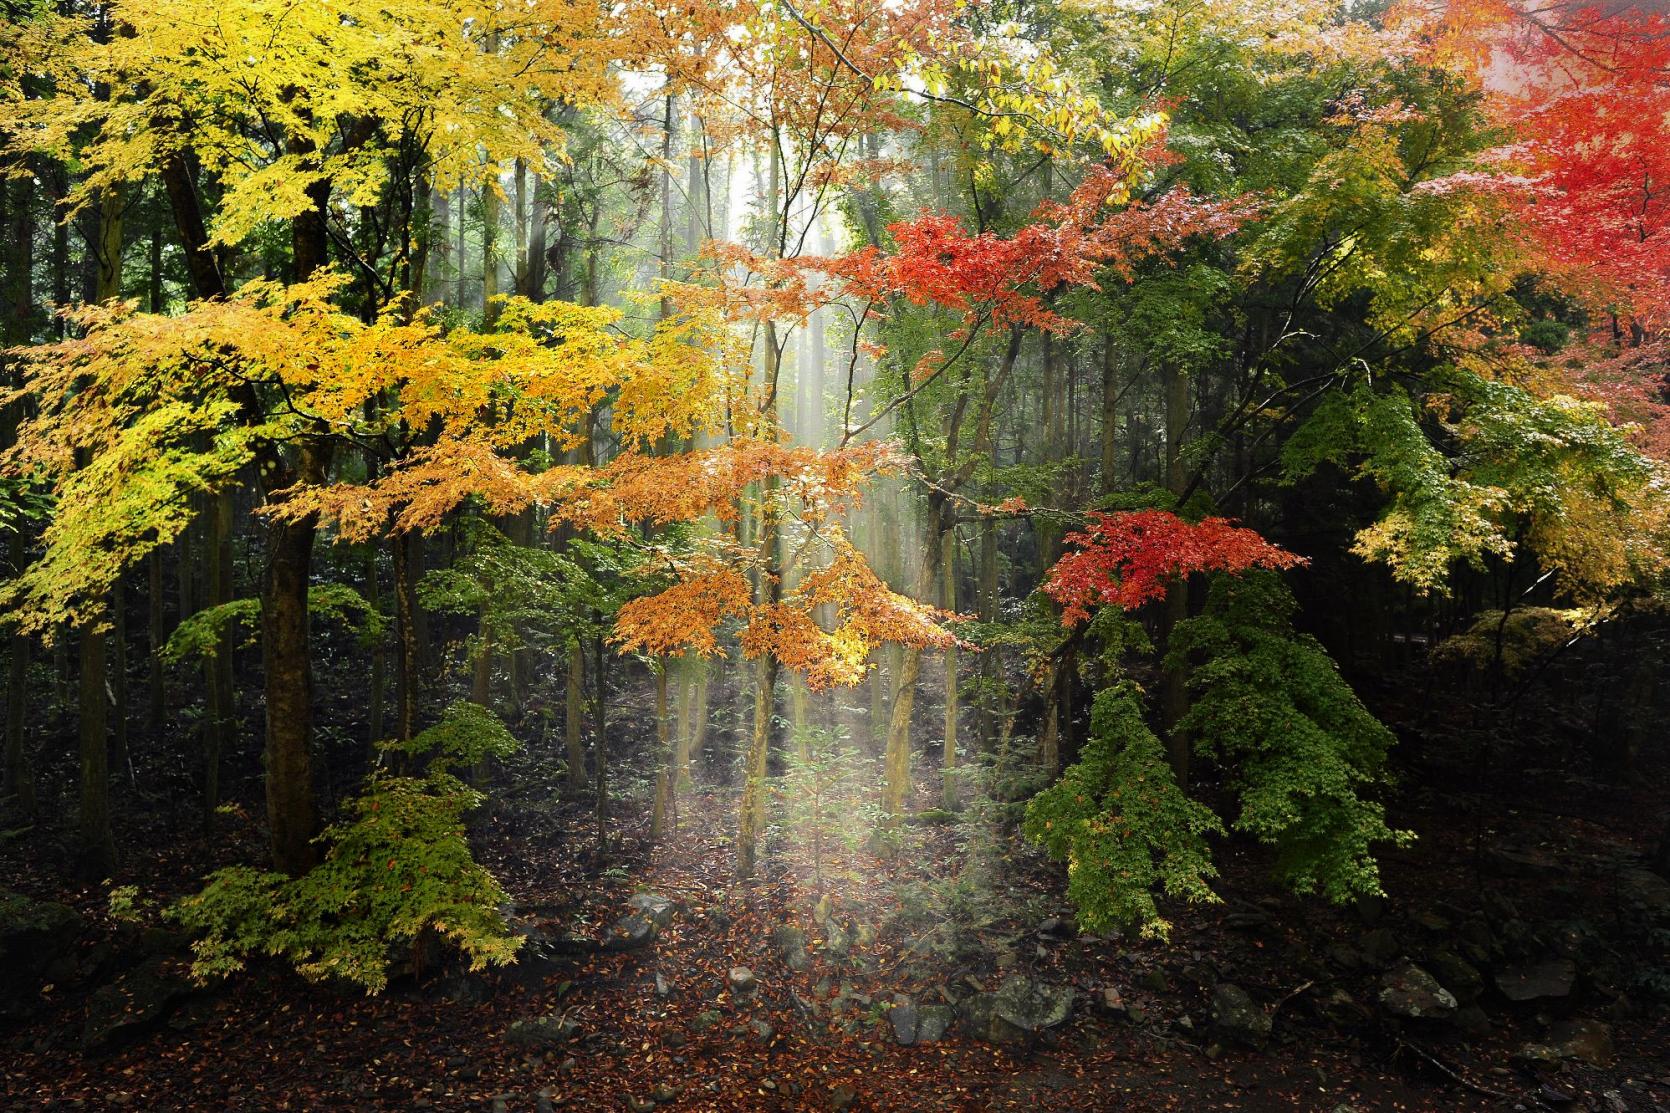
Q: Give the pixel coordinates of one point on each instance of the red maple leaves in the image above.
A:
(940, 262)
(1129, 559)
(1586, 89)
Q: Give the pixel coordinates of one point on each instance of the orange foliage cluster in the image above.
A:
(860, 612)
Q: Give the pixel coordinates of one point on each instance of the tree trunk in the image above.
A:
(155, 636)
(95, 847)
(601, 751)
(665, 813)
(406, 640)
(574, 720)
(1110, 415)
(948, 767)
(489, 253)
(119, 681)
(292, 812)
(379, 663)
(20, 778)
(1174, 690)
(218, 726)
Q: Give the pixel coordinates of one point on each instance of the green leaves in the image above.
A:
(1122, 824)
(399, 868)
(1490, 465)
(1295, 744)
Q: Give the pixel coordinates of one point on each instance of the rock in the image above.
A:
(704, 1020)
(37, 940)
(790, 942)
(636, 1104)
(1338, 1007)
(1588, 1041)
(463, 989)
(843, 1097)
(903, 1017)
(763, 1031)
(1247, 921)
(542, 1032)
(1032, 1006)
(1344, 956)
(933, 1022)
(1380, 948)
(1111, 1000)
(1526, 865)
(631, 932)
(836, 939)
(1154, 980)
(663, 988)
(1613, 1101)
(665, 1093)
(1644, 889)
(1057, 927)
(1236, 1017)
(1538, 981)
(658, 910)
(742, 983)
(1456, 974)
(1473, 1022)
(1413, 993)
(137, 1000)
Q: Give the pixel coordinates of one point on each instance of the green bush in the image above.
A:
(1122, 825)
(1294, 742)
(398, 872)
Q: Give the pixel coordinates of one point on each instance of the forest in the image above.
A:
(812, 555)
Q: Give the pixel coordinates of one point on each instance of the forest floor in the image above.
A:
(665, 1023)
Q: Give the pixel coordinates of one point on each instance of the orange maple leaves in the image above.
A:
(859, 612)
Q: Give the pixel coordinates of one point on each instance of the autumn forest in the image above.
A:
(812, 555)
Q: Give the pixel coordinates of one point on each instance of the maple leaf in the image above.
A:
(1130, 558)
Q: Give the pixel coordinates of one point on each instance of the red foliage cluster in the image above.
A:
(1128, 559)
(939, 261)
(1587, 91)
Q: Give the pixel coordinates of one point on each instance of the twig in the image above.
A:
(1477, 1088)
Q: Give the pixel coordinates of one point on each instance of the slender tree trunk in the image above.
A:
(119, 681)
(96, 852)
(19, 329)
(692, 726)
(292, 811)
(95, 846)
(665, 813)
(601, 750)
(489, 253)
(219, 723)
(406, 642)
(20, 778)
(155, 635)
(461, 297)
(574, 718)
(1174, 690)
(1110, 415)
(379, 662)
(948, 767)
